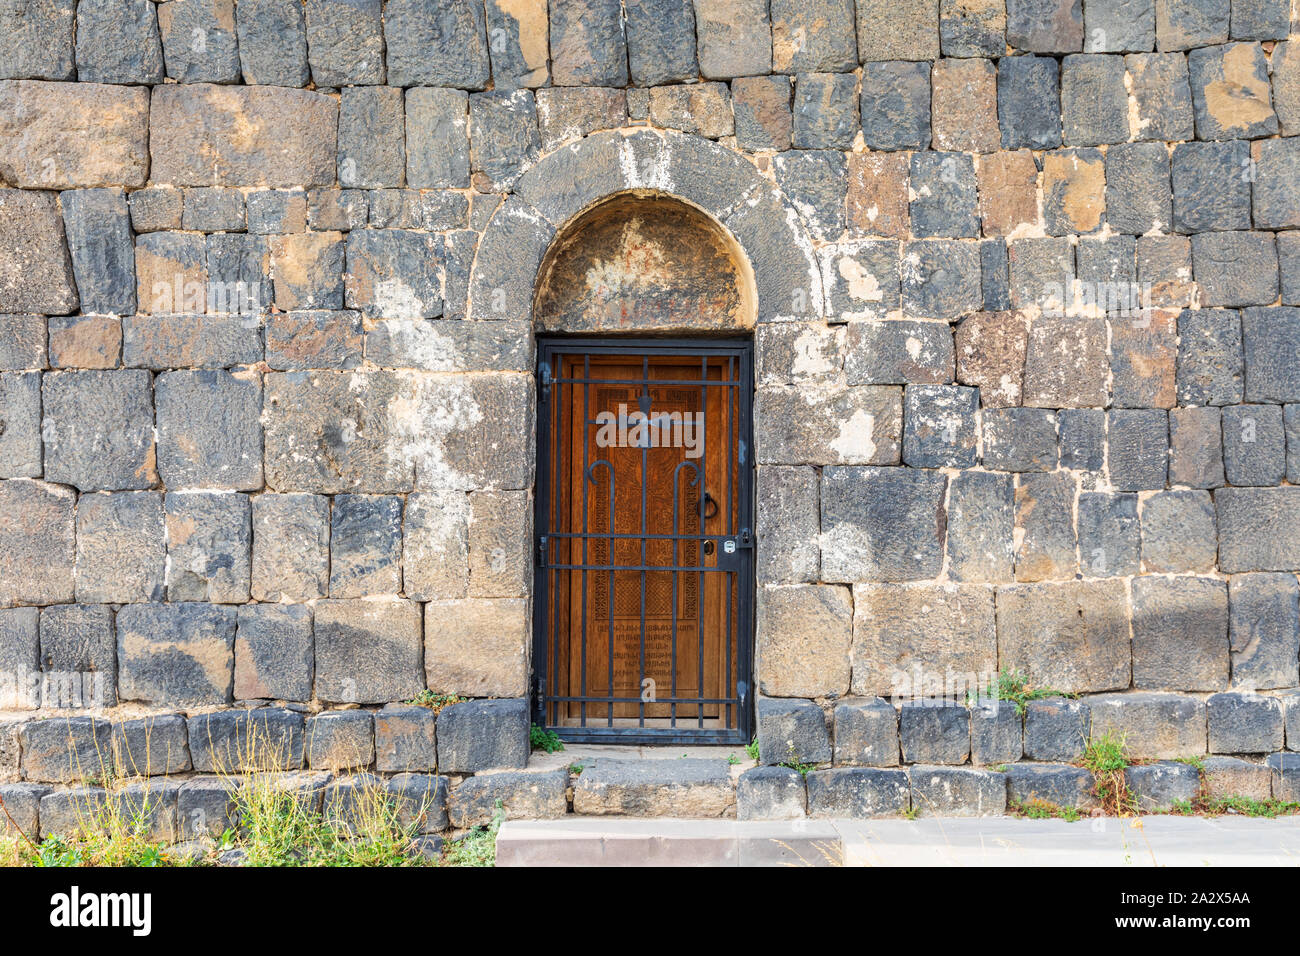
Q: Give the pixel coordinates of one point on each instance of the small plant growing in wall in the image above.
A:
(547, 740)
(1107, 757)
(435, 702)
(1013, 685)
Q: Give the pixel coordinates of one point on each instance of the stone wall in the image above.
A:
(1026, 317)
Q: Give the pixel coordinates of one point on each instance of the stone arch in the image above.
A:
(642, 165)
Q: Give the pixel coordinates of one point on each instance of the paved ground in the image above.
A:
(994, 841)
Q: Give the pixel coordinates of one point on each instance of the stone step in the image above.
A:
(686, 787)
(579, 841)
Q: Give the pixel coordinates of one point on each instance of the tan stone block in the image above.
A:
(990, 350)
(1144, 349)
(804, 634)
(477, 647)
(90, 341)
(1008, 188)
(1074, 191)
(877, 196)
(1065, 363)
(500, 539)
(964, 105)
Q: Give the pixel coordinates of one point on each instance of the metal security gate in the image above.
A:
(645, 582)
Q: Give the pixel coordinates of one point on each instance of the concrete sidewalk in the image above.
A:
(989, 841)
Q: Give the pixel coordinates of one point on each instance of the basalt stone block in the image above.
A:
(787, 525)
(20, 440)
(504, 139)
(277, 211)
(441, 43)
(1119, 26)
(996, 732)
(1008, 188)
(569, 113)
(1138, 197)
(1286, 86)
(893, 352)
(156, 208)
(365, 545)
(813, 37)
(179, 655)
(815, 181)
(118, 42)
(20, 658)
(1285, 771)
(939, 426)
(521, 795)
(866, 733)
(290, 547)
(1029, 102)
(66, 749)
(171, 271)
(483, 734)
(405, 738)
(733, 37)
(1291, 423)
(1244, 723)
(1019, 439)
(338, 209)
(274, 652)
(1178, 532)
(701, 109)
(934, 732)
(973, 28)
(990, 352)
(1138, 443)
(1180, 633)
(315, 339)
(698, 787)
(394, 274)
(941, 279)
(340, 739)
(1107, 270)
(1144, 354)
(78, 654)
(881, 524)
(769, 793)
(23, 801)
(1230, 92)
(1234, 777)
(804, 633)
(965, 105)
(476, 646)
(1212, 186)
(1108, 534)
(1045, 26)
(1057, 784)
(1261, 20)
(944, 195)
(209, 431)
(204, 135)
(1264, 629)
(151, 746)
(1183, 24)
(1163, 96)
(830, 425)
(1209, 370)
(857, 793)
(309, 270)
(35, 271)
(981, 519)
(233, 741)
(877, 198)
(447, 346)
(1250, 523)
(957, 791)
(1276, 170)
(895, 105)
(587, 44)
(272, 38)
(792, 731)
(1254, 444)
(1041, 272)
(898, 31)
(215, 208)
(1235, 268)
(1164, 266)
(199, 40)
(1056, 728)
(994, 275)
(372, 144)
(825, 110)
(1045, 547)
(41, 41)
(1270, 339)
(368, 651)
(214, 341)
(1094, 100)
(1195, 447)
(1288, 254)
(22, 342)
(761, 105)
(9, 748)
(499, 563)
(1083, 438)
(98, 429)
(71, 812)
(37, 543)
(1158, 786)
(120, 548)
(97, 225)
(518, 43)
(1074, 192)
(1044, 629)
(345, 42)
(861, 282)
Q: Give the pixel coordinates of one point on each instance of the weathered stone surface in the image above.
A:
(771, 793)
(98, 429)
(315, 339)
(1250, 522)
(290, 547)
(1074, 191)
(898, 31)
(1072, 636)
(701, 109)
(1234, 777)
(973, 28)
(204, 135)
(689, 787)
(1065, 360)
(1158, 786)
(1108, 534)
(365, 546)
(345, 42)
(980, 527)
(825, 112)
(1008, 191)
(209, 433)
(787, 525)
(89, 341)
(35, 269)
(37, 543)
(1083, 438)
(829, 425)
(274, 653)
(804, 633)
(1117, 26)
(1178, 532)
(518, 43)
(394, 274)
(340, 739)
(22, 342)
(866, 733)
(761, 105)
(1211, 188)
(371, 144)
(1209, 358)
(151, 746)
(996, 732)
(117, 42)
(437, 44)
(1183, 24)
(20, 439)
(78, 654)
(964, 104)
(233, 741)
(813, 37)
(1029, 102)
(1195, 447)
(1180, 633)
(1056, 784)
(934, 732)
(1045, 546)
(120, 548)
(734, 38)
(1286, 86)
(791, 731)
(405, 738)
(1230, 92)
(587, 44)
(20, 658)
(1164, 266)
(897, 351)
(41, 46)
(895, 105)
(477, 647)
(419, 801)
(957, 791)
(877, 194)
(881, 524)
(1270, 340)
(1244, 723)
(1137, 188)
(1143, 360)
(1291, 423)
(99, 239)
(944, 196)
(1055, 729)
(1019, 439)
(171, 272)
(308, 269)
(199, 40)
(939, 426)
(857, 792)
(1138, 443)
(990, 352)
(815, 181)
(272, 38)
(71, 812)
(941, 279)
(206, 806)
(368, 651)
(178, 655)
(66, 749)
(1254, 444)
(1045, 26)
(1094, 101)
(1264, 630)
(483, 734)
(22, 801)
(504, 139)
(521, 795)
(1285, 771)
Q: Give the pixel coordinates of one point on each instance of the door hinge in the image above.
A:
(541, 551)
(544, 378)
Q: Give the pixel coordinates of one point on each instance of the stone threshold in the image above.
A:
(999, 841)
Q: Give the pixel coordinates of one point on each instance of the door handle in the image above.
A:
(704, 506)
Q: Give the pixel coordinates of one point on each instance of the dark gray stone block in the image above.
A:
(857, 793)
(483, 734)
(792, 731)
(934, 732)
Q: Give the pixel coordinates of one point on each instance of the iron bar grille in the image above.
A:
(644, 570)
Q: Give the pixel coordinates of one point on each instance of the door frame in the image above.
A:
(743, 350)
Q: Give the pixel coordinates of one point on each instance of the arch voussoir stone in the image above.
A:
(505, 267)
